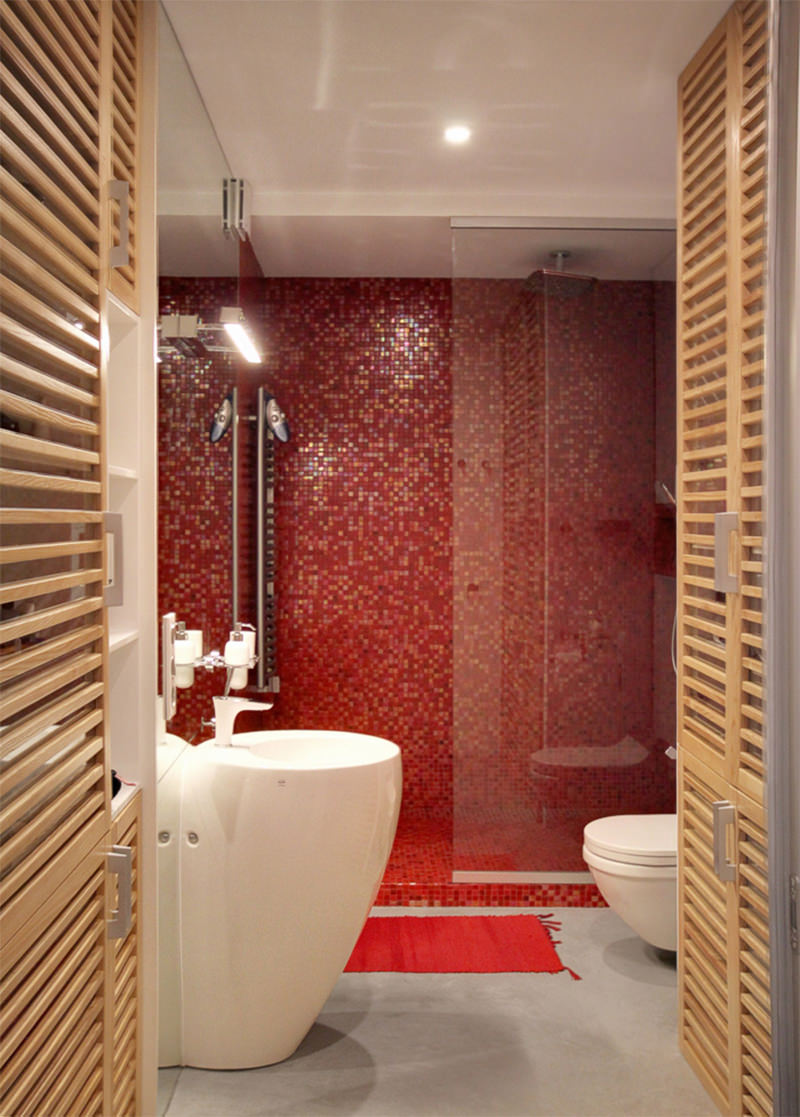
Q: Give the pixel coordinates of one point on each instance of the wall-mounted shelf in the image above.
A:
(130, 400)
(123, 797)
(121, 639)
(122, 473)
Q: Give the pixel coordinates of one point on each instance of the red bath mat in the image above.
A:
(457, 944)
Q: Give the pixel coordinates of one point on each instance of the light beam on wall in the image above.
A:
(237, 329)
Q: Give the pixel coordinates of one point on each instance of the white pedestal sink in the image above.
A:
(283, 842)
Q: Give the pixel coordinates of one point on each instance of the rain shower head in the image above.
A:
(557, 280)
(552, 282)
(223, 417)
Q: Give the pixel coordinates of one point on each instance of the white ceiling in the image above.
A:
(333, 111)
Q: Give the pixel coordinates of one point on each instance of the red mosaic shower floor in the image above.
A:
(419, 874)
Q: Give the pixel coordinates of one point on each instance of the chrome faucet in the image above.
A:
(226, 710)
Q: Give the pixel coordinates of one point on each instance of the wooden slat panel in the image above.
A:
(48, 651)
(50, 239)
(754, 962)
(49, 583)
(28, 411)
(55, 678)
(125, 140)
(722, 680)
(52, 62)
(19, 260)
(126, 977)
(51, 994)
(65, 50)
(30, 448)
(55, 811)
(73, 154)
(57, 359)
(41, 750)
(703, 987)
(752, 141)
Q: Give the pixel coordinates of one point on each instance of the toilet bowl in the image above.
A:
(633, 859)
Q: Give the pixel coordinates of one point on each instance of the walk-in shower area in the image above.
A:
(563, 534)
(472, 533)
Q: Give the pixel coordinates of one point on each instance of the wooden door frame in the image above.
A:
(783, 569)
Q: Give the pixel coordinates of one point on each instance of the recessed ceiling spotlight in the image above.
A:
(457, 133)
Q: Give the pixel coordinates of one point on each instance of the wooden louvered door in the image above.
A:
(125, 976)
(68, 995)
(123, 117)
(723, 893)
(55, 792)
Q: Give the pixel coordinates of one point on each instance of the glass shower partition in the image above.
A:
(562, 685)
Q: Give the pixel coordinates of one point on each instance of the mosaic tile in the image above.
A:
(555, 554)
(415, 508)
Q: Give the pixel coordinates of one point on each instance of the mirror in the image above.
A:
(191, 169)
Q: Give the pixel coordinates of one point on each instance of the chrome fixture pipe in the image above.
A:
(260, 436)
(235, 507)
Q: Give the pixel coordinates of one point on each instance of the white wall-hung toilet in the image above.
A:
(634, 861)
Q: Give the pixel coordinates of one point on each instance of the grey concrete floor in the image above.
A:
(521, 1045)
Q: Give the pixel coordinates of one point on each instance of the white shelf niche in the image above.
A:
(123, 498)
(124, 710)
(122, 390)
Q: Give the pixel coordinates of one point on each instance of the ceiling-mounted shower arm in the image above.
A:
(560, 258)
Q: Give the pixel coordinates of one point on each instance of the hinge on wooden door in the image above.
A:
(794, 896)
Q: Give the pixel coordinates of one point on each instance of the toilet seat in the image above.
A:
(629, 839)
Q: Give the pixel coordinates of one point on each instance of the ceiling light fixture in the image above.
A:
(457, 133)
(237, 329)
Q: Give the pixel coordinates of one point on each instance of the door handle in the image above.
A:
(120, 256)
(724, 815)
(726, 576)
(120, 861)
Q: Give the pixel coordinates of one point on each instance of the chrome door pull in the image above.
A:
(726, 577)
(724, 814)
(120, 861)
(120, 255)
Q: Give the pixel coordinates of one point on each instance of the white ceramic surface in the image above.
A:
(642, 889)
(168, 754)
(284, 840)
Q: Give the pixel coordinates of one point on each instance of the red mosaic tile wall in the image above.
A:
(664, 559)
(523, 571)
(558, 605)
(363, 510)
(480, 308)
(408, 527)
(601, 443)
(194, 493)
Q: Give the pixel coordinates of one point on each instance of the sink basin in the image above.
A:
(282, 844)
(307, 748)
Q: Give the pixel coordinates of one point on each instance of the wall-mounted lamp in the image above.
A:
(179, 331)
(188, 335)
(237, 329)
